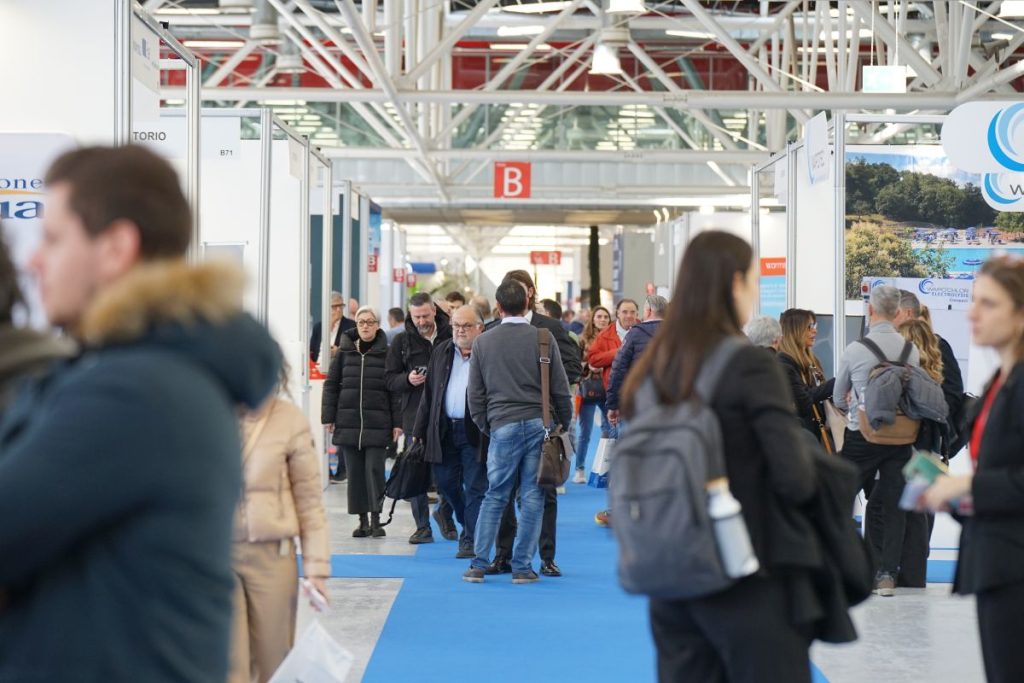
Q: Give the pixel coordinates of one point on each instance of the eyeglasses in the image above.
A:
(366, 323)
(335, 305)
(812, 326)
(464, 327)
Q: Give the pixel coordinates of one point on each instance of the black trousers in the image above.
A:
(548, 526)
(887, 462)
(999, 613)
(739, 635)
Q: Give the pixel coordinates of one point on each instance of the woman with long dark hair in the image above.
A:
(591, 383)
(748, 632)
(990, 501)
(806, 378)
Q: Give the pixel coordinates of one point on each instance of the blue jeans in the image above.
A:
(584, 427)
(462, 479)
(514, 450)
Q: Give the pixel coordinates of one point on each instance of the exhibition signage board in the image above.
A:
(546, 258)
(145, 62)
(512, 179)
(220, 137)
(618, 261)
(988, 138)
(773, 286)
(891, 79)
(816, 148)
(23, 165)
(398, 276)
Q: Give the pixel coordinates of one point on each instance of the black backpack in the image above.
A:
(410, 477)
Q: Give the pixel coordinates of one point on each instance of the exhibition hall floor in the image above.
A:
(406, 615)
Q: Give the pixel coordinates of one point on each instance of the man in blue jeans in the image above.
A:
(505, 402)
(451, 439)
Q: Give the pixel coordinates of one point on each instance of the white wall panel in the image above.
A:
(815, 241)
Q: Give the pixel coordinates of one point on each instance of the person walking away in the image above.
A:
(771, 473)
(600, 319)
(426, 326)
(451, 438)
(803, 369)
(396, 323)
(872, 459)
(281, 499)
(633, 346)
(120, 469)
(24, 353)
(364, 416)
(504, 391)
(989, 501)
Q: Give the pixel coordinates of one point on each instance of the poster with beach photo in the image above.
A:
(910, 213)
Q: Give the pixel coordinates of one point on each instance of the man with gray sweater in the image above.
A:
(505, 403)
(870, 459)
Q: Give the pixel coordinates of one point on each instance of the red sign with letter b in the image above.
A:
(512, 179)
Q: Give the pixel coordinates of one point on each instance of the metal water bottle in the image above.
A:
(738, 558)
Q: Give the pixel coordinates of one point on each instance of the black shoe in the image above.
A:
(549, 568)
(473, 575)
(465, 552)
(529, 576)
(446, 525)
(499, 566)
(423, 535)
(376, 530)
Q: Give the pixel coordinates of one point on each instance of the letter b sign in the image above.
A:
(512, 179)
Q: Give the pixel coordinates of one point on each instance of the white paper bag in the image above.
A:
(316, 658)
(602, 462)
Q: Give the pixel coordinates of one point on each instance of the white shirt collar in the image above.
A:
(515, 320)
(622, 331)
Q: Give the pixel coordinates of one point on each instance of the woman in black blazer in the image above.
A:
(759, 628)
(990, 502)
(803, 369)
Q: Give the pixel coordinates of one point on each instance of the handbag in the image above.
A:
(556, 450)
(410, 477)
(592, 388)
(836, 420)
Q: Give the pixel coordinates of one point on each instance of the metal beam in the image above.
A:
(680, 156)
(380, 75)
(888, 33)
(230, 64)
(335, 36)
(703, 99)
(992, 81)
(738, 52)
(453, 36)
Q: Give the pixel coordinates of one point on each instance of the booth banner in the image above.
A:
(618, 259)
(26, 156)
(936, 293)
(817, 148)
(145, 63)
(1004, 191)
(781, 181)
(773, 286)
(219, 138)
(986, 137)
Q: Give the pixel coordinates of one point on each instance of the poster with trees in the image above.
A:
(909, 213)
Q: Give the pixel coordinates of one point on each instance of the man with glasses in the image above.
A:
(451, 438)
(408, 358)
(339, 324)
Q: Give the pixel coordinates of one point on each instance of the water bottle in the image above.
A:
(738, 558)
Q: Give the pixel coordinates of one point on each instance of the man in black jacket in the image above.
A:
(339, 324)
(572, 363)
(451, 437)
(409, 353)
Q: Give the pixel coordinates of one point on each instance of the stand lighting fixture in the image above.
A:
(626, 7)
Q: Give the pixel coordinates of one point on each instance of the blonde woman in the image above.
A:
(281, 499)
(919, 333)
(803, 369)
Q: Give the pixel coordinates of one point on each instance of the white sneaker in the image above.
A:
(580, 477)
(560, 490)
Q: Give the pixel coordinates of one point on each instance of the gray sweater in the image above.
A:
(504, 379)
(858, 362)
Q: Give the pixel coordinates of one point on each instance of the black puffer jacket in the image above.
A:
(356, 398)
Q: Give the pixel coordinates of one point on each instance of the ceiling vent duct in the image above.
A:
(236, 6)
(289, 59)
(264, 25)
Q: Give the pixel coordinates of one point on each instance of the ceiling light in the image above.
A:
(236, 6)
(185, 11)
(1012, 8)
(606, 61)
(543, 47)
(513, 31)
(626, 7)
(537, 7)
(1002, 36)
(707, 210)
(683, 33)
(209, 43)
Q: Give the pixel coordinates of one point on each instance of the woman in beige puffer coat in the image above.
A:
(282, 497)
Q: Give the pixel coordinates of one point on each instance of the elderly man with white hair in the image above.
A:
(339, 324)
(764, 331)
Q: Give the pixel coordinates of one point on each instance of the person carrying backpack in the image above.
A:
(886, 460)
(709, 626)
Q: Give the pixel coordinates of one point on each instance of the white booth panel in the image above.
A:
(815, 242)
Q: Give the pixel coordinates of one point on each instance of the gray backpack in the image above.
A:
(657, 491)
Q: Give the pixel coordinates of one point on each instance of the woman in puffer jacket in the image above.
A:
(364, 416)
(281, 499)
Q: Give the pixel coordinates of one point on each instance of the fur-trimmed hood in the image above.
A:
(191, 310)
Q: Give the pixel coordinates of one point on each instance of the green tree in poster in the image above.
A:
(1010, 221)
(935, 261)
(975, 211)
(874, 252)
(863, 183)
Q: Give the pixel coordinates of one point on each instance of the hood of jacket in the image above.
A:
(194, 311)
(442, 320)
(25, 348)
(647, 328)
(349, 337)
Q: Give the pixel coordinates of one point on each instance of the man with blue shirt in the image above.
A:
(443, 423)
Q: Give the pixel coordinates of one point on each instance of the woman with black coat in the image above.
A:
(803, 370)
(990, 501)
(758, 629)
(364, 416)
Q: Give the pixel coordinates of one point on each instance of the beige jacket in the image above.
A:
(282, 495)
